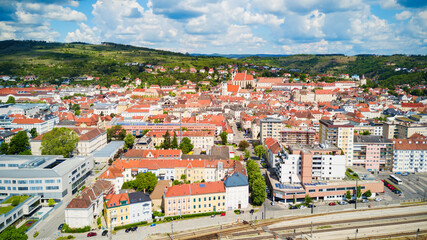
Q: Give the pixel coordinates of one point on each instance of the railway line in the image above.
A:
(240, 230)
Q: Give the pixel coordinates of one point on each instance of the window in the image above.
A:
(22, 182)
(6, 181)
(52, 187)
(35, 181)
(49, 181)
(22, 188)
(36, 188)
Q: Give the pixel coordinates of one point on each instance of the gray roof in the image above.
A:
(109, 149)
(370, 139)
(136, 197)
(236, 180)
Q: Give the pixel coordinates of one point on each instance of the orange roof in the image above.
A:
(27, 121)
(233, 88)
(195, 189)
(320, 91)
(115, 200)
(243, 77)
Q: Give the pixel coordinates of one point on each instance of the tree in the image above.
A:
(13, 233)
(184, 177)
(367, 194)
(176, 182)
(4, 148)
(308, 200)
(145, 181)
(116, 132)
(166, 141)
(33, 133)
(366, 132)
(129, 140)
(18, 143)
(59, 141)
(348, 195)
(247, 154)
(258, 191)
(77, 112)
(259, 151)
(11, 99)
(186, 146)
(75, 107)
(294, 200)
(174, 144)
(145, 132)
(359, 191)
(243, 144)
(51, 202)
(223, 136)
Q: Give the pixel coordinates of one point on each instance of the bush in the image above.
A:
(67, 229)
(237, 211)
(98, 220)
(35, 234)
(15, 202)
(65, 238)
(154, 220)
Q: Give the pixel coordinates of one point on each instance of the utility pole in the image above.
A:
(355, 234)
(293, 235)
(355, 203)
(172, 229)
(418, 231)
(311, 232)
(110, 235)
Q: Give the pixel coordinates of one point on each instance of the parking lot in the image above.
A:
(414, 186)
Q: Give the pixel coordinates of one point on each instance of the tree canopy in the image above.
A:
(259, 151)
(223, 136)
(166, 141)
(257, 185)
(33, 133)
(19, 143)
(129, 140)
(116, 133)
(11, 99)
(13, 233)
(174, 144)
(59, 141)
(243, 144)
(186, 146)
(143, 181)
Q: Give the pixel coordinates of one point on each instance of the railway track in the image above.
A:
(242, 229)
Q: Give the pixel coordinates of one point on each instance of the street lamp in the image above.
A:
(355, 234)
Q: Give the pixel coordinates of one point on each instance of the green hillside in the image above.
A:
(53, 62)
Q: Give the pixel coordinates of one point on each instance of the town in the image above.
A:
(237, 148)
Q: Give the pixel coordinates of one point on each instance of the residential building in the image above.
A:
(339, 133)
(157, 194)
(270, 127)
(405, 130)
(104, 108)
(30, 123)
(273, 148)
(290, 136)
(374, 153)
(48, 176)
(410, 155)
(127, 208)
(82, 210)
(194, 198)
(237, 191)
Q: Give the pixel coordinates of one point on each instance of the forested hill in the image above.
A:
(50, 61)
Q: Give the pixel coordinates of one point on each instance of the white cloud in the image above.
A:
(84, 34)
(403, 15)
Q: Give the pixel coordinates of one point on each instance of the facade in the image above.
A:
(410, 155)
(48, 176)
(127, 208)
(243, 80)
(406, 130)
(374, 153)
(307, 163)
(273, 148)
(291, 136)
(194, 198)
(270, 127)
(339, 133)
(82, 210)
(237, 191)
(24, 209)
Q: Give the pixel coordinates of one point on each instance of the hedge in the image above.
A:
(388, 182)
(143, 223)
(67, 229)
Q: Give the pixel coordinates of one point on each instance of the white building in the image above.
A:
(237, 191)
(410, 155)
(105, 108)
(140, 207)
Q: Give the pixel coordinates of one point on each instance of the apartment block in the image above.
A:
(270, 127)
(194, 198)
(374, 153)
(339, 133)
(292, 136)
(410, 155)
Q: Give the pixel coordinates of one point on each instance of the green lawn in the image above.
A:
(5, 209)
(21, 199)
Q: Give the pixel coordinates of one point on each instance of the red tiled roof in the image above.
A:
(195, 189)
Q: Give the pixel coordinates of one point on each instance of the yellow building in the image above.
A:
(194, 198)
(117, 209)
(194, 171)
(339, 133)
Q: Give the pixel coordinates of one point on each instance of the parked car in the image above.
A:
(397, 173)
(133, 229)
(213, 215)
(342, 203)
(365, 200)
(245, 222)
(377, 199)
(405, 174)
(251, 211)
(91, 234)
(352, 201)
(104, 233)
(302, 207)
(272, 203)
(127, 230)
(311, 206)
(332, 204)
(293, 207)
(153, 225)
(60, 226)
(223, 214)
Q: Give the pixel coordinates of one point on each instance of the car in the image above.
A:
(397, 191)
(153, 225)
(332, 204)
(91, 234)
(127, 230)
(293, 207)
(342, 203)
(302, 207)
(365, 200)
(311, 206)
(223, 214)
(398, 173)
(272, 203)
(213, 215)
(60, 226)
(245, 222)
(377, 199)
(405, 174)
(352, 201)
(251, 211)
(104, 233)
(242, 212)
(133, 229)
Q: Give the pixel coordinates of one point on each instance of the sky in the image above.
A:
(226, 26)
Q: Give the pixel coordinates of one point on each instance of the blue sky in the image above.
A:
(226, 26)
